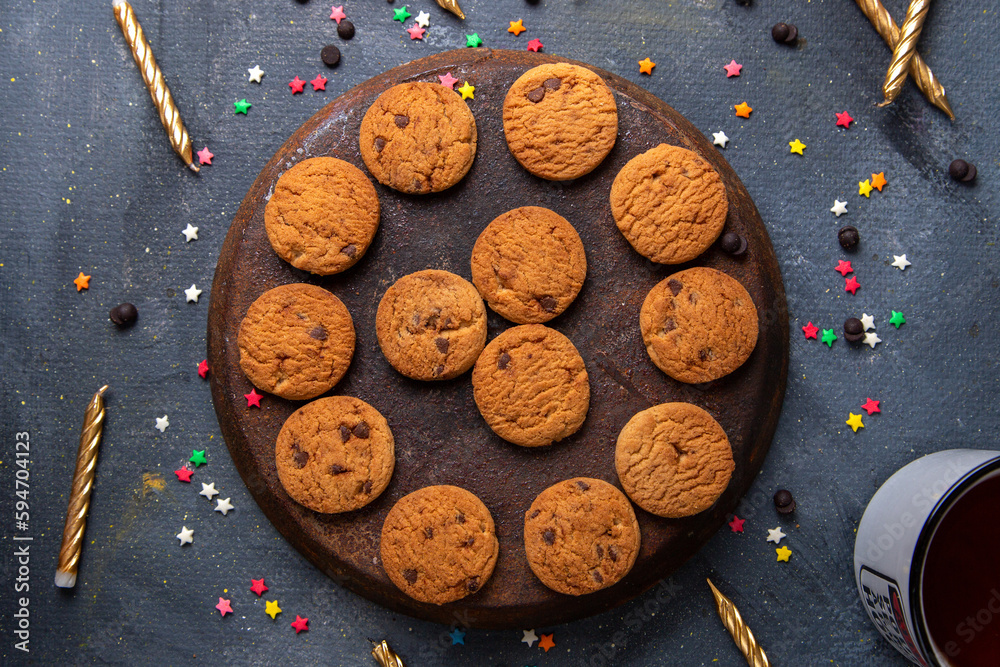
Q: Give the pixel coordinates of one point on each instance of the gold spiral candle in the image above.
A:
(79, 497)
(170, 116)
(385, 656)
(921, 73)
(452, 6)
(905, 47)
(738, 629)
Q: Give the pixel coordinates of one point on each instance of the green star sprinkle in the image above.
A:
(828, 337)
(401, 14)
(897, 319)
(197, 458)
(473, 40)
(242, 106)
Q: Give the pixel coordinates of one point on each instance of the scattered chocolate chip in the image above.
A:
(318, 332)
(703, 355)
(960, 170)
(124, 314)
(744, 3)
(503, 361)
(536, 95)
(669, 325)
(337, 469)
(301, 458)
(350, 250)
(442, 344)
(379, 144)
(438, 370)
(401, 121)
(549, 537)
(460, 518)
(848, 237)
(534, 514)
(429, 533)
(583, 485)
(345, 29)
(345, 433)
(410, 576)
(613, 553)
(853, 330)
(469, 542)
(784, 502)
(600, 550)
(693, 297)
(675, 286)
(553, 83)
(472, 584)
(362, 430)
(597, 577)
(547, 303)
(330, 55)
(367, 487)
(733, 244)
(784, 33)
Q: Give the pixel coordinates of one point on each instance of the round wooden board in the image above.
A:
(440, 436)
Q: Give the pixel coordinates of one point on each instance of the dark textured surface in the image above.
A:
(88, 182)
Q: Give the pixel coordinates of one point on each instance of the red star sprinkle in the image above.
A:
(319, 83)
(224, 607)
(535, 45)
(448, 81)
(416, 32)
(184, 475)
(737, 524)
(258, 586)
(297, 85)
(843, 119)
(810, 330)
(870, 406)
(851, 285)
(253, 398)
(205, 156)
(732, 69)
(843, 268)
(300, 624)
(546, 643)
(203, 369)
(337, 14)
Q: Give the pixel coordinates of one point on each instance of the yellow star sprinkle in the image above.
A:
(796, 146)
(272, 608)
(516, 27)
(865, 187)
(468, 91)
(854, 421)
(783, 553)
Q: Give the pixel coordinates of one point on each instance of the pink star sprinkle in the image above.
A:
(843, 119)
(297, 85)
(253, 398)
(732, 69)
(851, 285)
(300, 624)
(184, 475)
(203, 369)
(258, 586)
(843, 268)
(737, 524)
(205, 156)
(871, 407)
(448, 81)
(810, 330)
(224, 607)
(535, 45)
(319, 83)
(337, 14)
(416, 32)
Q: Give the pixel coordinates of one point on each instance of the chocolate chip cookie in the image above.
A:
(698, 325)
(322, 215)
(418, 137)
(431, 325)
(531, 386)
(560, 121)
(580, 536)
(335, 454)
(529, 264)
(439, 544)
(296, 341)
(669, 203)
(674, 460)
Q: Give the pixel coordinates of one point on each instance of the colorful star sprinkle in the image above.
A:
(468, 91)
(878, 180)
(732, 69)
(828, 337)
(720, 139)
(796, 146)
(253, 398)
(242, 106)
(865, 188)
(401, 14)
(184, 475)
(867, 321)
(319, 83)
(743, 110)
(192, 293)
(186, 536)
(851, 285)
(900, 262)
(810, 330)
(271, 608)
(546, 643)
(897, 320)
(203, 369)
(190, 232)
(535, 45)
(737, 524)
(162, 423)
(872, 339)
(870, 406)
(297, 85)
(783, 553)
(775, 535)
(198, 457)
(457, 637)
(337, 14)
(423, 19)
(839, 207)
(473, 41)
(854, 421)
(205, 156)
(646, 66)
(255, 74)
(82, 282)
(224, 607)
(843, 268)
(416, 32)
(300, 624)
(258, 586)
(208, 490)
(223, 505)
(843, 119)
(529, 637)
(447, 80)
(517, 27)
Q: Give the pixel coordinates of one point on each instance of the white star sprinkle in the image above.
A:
(720, 139)
(255, 73)
(867, 321)
(208, 490)
(190, 233)
(839, 207)
(900, 262)
(186, 536)
(872, 339)
(162, 423)
(192, 293)
(223, 505)
(529, 637)
(423, 19)
(775, 535)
